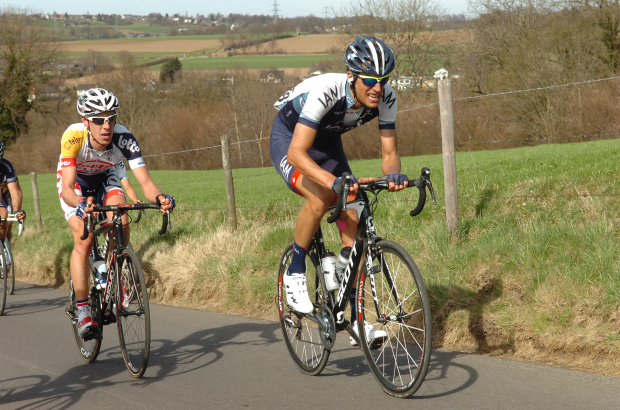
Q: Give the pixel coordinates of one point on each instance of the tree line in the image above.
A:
(510, 46)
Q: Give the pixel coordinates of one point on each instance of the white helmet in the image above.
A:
(95, 101)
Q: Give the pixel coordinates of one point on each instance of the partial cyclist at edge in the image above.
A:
(306, 150)
(11, 201)
(86, 175)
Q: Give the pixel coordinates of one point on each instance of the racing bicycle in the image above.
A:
(390, 295)
(124, 298)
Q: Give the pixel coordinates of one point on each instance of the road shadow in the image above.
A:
(449, 299)
(32, 305)
(173, 358)
(442, 368)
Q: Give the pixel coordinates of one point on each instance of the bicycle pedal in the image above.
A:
(70, 311)
(92, 334)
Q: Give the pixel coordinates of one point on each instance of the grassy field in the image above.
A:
(141, 57)
(533, 274)
(278, 61)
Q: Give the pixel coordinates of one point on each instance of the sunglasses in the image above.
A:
(372, 81)
(102, 120)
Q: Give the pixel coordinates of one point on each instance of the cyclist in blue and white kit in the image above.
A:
(306, 148)
(11, 195)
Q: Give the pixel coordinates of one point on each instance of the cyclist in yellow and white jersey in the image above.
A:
(86, 175)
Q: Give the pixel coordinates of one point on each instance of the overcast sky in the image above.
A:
(287, 8)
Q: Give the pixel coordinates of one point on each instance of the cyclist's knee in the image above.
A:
(318, 204)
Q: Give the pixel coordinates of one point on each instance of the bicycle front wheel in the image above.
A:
(10, 263)
(133, 314)
(393, 300)
(3, 281)
(301, 334)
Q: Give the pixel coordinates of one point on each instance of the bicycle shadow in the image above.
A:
(442, 368)
(32, 306)
(172, 358)
(202, 348)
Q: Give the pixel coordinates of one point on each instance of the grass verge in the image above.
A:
(533, 273)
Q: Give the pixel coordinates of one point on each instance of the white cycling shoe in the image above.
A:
(297, 292)
(374, 336)
(85, 322)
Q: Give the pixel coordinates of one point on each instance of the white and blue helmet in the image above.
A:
(369, 55)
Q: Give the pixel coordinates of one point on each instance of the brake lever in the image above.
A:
(345, 192)
(426, 177)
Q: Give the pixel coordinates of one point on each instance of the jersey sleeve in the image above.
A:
(71, 143)
(317, 103)
(121, 170)
(388, 108)
(128, 145)
(8, 171)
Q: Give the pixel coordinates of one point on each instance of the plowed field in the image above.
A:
(150, 45)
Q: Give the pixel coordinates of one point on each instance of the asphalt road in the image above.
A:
(209, 360)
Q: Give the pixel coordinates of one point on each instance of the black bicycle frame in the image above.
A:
(365, 235)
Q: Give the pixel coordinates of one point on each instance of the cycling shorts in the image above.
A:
(101, 188)
(329, 156)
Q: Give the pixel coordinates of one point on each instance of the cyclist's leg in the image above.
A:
(318, 199)
(79, 265)
(80, 268)
(111, 193)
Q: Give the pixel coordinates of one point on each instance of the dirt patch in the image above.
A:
(335, 43)
(146, 45)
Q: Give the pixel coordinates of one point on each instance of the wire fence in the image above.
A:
(432, 149)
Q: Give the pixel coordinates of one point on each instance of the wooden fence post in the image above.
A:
(35, 196)
(449, 156)
(230, 188)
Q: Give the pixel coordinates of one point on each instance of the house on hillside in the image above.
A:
(271, 76)
(82, 88)
(230, 78)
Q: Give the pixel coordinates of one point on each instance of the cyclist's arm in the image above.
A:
(16, 195)
(389, 152)
(151, 191)
(303, 138)
(131, 193)
(69, 175)
(391, 160)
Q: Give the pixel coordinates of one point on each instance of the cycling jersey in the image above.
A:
(91, 164)
(121, 171)
(96, 170)
(323, 103)
(7, 176)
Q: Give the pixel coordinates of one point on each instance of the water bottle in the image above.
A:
(328, 265)
(342, 262)
(101, 273)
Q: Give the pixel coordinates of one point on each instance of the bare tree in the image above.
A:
(398, 23)
(25, 51)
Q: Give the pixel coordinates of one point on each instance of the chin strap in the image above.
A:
(355, 99)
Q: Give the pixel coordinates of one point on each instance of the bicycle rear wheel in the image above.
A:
(10, 267)
(89, 350)
(133, 314)
(393, 299)
(3, 281)
(301, 334)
